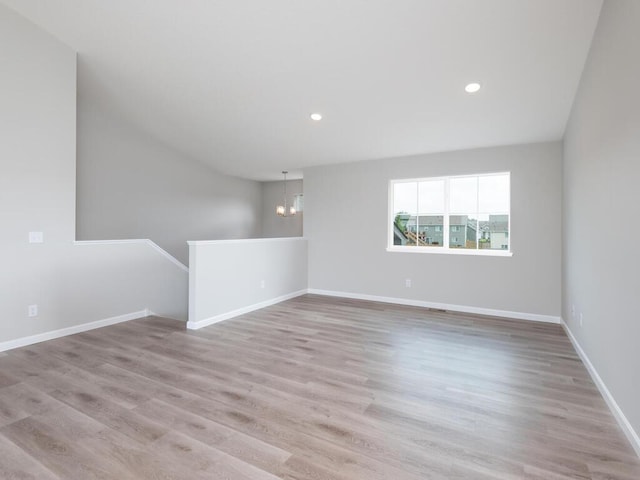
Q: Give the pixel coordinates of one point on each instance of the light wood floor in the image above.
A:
(313, 388)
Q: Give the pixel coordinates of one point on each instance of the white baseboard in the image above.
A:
(628, 430)
(442, 306)
(151, 313)
(63, 332)
(195, 325)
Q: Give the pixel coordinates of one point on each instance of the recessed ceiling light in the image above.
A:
(316, 116)
(472, 88)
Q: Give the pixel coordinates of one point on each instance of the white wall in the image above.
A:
(72, 284)
(274, 226)
(602, 207)
(346, 221)
(226, 277)
(133, 186)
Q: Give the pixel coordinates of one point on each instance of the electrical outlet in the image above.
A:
(262, 283)
(32, 310)
(407, 283)
(581, 319)
(36, 237)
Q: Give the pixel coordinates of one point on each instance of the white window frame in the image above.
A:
(445, 249)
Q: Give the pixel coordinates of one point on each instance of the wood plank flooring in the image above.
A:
(312, 388)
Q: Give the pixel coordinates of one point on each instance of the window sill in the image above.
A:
(451, 251)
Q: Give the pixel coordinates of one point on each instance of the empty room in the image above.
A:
(308, 240)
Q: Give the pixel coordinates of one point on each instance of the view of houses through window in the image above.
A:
(466, 212)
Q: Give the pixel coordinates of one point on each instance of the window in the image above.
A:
(462, 214)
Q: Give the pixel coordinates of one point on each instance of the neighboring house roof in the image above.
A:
(496, 223)
(435, 220)
(425, 220)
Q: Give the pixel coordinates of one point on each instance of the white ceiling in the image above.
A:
(232, 82)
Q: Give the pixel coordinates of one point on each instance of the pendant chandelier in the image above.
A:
(281, 210)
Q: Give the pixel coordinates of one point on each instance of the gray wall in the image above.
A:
(274, 226)
(72, 285)
(346, 222)
(37, 155)
(601, 258)
(231, 277)
(132, 186)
